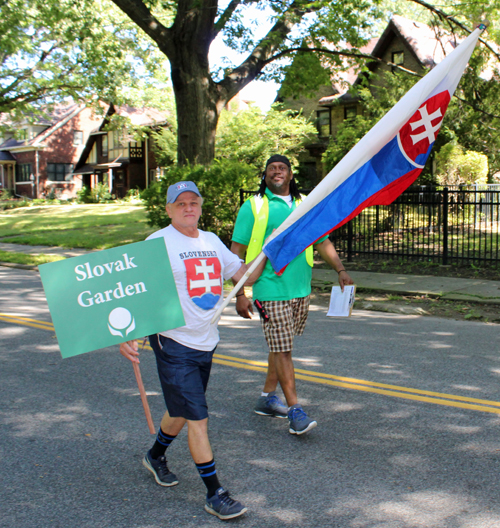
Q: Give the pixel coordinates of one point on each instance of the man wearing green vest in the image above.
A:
(285, 298)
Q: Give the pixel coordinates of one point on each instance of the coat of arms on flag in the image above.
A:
(204, 281)
(418, 135)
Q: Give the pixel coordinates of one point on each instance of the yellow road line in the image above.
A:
(21, 318)
(395, 391)
(239, 365)
(406, 396)
(370, 383)
(26, 321)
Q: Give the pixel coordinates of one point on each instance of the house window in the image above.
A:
(398, 58)
(59, 172)
(350, 112)
(77, 137)
(22, 134)
(135, 151)
(324, 129)
(104, 146)
(23, 172)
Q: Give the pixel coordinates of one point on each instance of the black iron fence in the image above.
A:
(451, 225)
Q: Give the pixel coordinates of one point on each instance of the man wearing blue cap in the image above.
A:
(285, 297)
(200, 262)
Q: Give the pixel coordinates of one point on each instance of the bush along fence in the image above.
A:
(450, 225)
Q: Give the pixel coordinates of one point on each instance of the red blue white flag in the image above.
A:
(380, 166)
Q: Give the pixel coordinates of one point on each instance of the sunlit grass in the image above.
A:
(27, 259)
(98, 226)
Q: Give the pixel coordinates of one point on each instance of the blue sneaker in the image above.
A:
(271, 405)
(300, 423)
(223, 506)
(160, 470)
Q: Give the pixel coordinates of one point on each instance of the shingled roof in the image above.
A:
(52, 119)
(142, 116)
(430, 45)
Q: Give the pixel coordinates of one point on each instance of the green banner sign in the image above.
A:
(108, 297)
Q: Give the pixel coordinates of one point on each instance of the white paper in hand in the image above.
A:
(341, 302)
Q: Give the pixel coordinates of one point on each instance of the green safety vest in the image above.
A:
(260, 210)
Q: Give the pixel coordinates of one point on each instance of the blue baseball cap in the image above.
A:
(178, 188)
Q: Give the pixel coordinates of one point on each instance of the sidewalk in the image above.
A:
(449, 288)
(471, 290)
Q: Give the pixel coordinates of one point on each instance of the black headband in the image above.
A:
(277, 158)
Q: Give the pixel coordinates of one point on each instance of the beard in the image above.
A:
(278, 188)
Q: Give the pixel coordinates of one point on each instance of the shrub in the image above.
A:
(251, 137)
(6, 194)
(474, 167)
(98, 194)
(133, 195)
(455, 166)
(83, 195)
(219, 185)
(15, 204)
(52, 195)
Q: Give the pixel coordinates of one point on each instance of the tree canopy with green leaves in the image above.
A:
(184, 31)
(82, 48)
(52, 50)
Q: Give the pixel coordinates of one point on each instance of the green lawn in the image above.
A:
(92, 226)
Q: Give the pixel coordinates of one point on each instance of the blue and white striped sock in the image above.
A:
(208, 474)
(161, 444)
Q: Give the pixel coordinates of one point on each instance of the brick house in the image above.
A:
(42, 156)
(115, 157)
(404, 43)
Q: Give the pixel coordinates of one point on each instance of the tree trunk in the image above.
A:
(198, 108)
(198, 99)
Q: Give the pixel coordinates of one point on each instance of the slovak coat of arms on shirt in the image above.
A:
(204, 281)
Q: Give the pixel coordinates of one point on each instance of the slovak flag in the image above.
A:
(380, 166)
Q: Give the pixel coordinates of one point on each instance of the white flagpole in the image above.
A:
(241, 282)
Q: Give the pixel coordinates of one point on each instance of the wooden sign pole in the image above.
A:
(144, 398)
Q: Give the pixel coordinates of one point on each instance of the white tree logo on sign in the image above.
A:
(120, 319)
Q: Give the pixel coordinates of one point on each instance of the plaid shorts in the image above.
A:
(286, 320)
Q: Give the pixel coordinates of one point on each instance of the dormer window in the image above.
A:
(398, 58)
(77, 137)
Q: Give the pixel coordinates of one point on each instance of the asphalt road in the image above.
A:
(408, 427)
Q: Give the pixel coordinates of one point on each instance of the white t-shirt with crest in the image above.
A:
(200, 266)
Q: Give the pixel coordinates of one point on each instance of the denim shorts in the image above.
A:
(184, 374)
